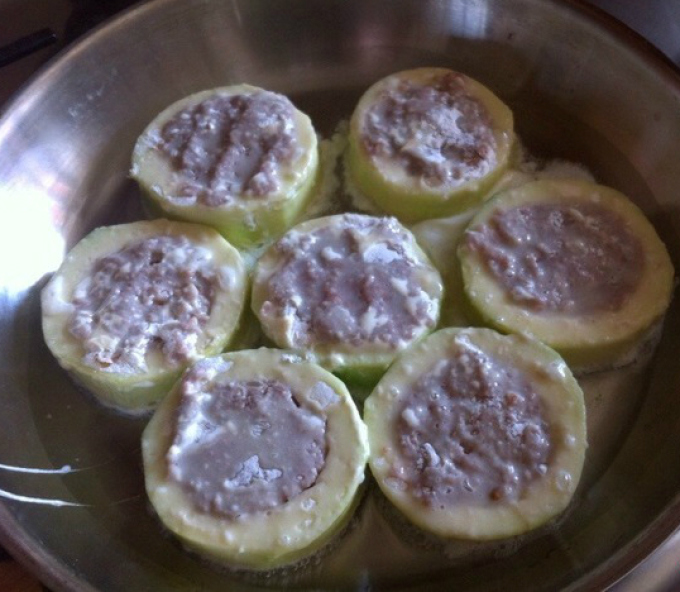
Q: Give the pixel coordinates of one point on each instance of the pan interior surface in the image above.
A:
(581, 89)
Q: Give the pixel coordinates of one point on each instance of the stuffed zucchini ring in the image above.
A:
(573, 264)
(476, 435)
(428, 143)
(239, 158)
(352, 290)
(255, 458)
(133, 305)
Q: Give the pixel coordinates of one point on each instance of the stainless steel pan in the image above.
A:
(582, 88)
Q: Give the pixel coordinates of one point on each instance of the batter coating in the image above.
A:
(153, 294)
(244, 446)
(439, 132)
(472, 430)
(230, 148)
(578, 259)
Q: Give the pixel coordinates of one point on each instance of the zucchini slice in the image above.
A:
(255, 458)
(428, 143)
(133, 305)
(476, 435)
(239, 158)
(573, 264)
(351, 290)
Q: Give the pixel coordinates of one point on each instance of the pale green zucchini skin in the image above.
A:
(287, 533)
(587, 342)
(406, 196)
(138, 392)
(357, 364)
(564, 410)
(245, 222)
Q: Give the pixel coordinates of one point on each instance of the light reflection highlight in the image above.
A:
(31, 244)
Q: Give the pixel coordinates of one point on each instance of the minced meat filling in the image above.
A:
(153, 296)
(437, 132)
(355, 282)
(227, 147)
(471, 431)
(245, 446)
(575, 259)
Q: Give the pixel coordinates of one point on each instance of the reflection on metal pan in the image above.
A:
(581, 89)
